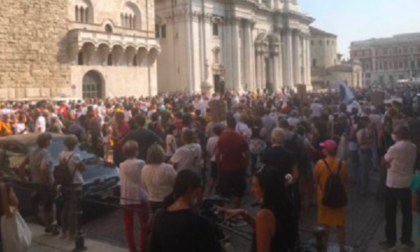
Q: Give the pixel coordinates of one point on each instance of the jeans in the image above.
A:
(365, 156)
(392, 197)
(142, 211)
(69, 213)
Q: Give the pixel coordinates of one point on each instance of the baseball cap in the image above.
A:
(329, 145)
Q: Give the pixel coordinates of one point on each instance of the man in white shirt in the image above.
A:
(316, 108)
(40, 124)
(400, 159)
(189, 155)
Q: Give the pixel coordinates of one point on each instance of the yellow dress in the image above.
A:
(329, 216)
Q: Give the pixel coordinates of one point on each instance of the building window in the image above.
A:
(381, 79)
(163, 31)
(328, 42)
(108, 28)
(130, 16)
(312, 42)
(401, 77)
(160, 31)
(109, 61)
(380, 66)
(80, 59)
(320, 42)
(391, 79)
(368, 75)
(314, 63)
(216, 29)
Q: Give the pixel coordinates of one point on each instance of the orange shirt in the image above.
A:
(5, 129)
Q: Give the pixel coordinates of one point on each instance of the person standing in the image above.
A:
(71, 193)
(120, 129)
(400, 160)
(157, 177)
(365, 140)
(211, 153)
(232, 157)
(134, 198)
(327, 216)
(41, 172)
(187, 157)
(144, 137)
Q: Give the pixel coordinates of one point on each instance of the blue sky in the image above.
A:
(354, 20)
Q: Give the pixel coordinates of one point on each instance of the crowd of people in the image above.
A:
(293, 153)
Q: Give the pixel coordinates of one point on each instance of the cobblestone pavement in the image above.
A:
(365, 222)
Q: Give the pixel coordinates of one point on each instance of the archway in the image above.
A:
(93, 85)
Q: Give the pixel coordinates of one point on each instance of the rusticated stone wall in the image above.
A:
(32, 50)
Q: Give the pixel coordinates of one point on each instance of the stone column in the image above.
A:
(248, 55)
(279, 68)
(257, 67)
(263, 67)
(297, 59)
(307, 62)
(289, 66)
(303, 57)
(253, 83)
(226, 38)
(236, 56)
(276, 72)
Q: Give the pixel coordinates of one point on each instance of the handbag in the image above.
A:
(16, 235)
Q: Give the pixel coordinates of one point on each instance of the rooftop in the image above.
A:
(315, 32)
(398, 38)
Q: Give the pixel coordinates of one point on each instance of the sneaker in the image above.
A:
(388, 246)
(408, 245)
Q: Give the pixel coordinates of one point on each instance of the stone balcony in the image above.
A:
(100, 48)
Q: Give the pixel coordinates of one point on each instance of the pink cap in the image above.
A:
(329, 145)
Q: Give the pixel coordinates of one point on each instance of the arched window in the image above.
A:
(130, 16)
(108, 28)
(84, 11)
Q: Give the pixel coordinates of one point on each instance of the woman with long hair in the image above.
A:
(177, 227)
(273, 224)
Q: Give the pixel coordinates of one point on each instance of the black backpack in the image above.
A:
(62, 174)
(334, 193)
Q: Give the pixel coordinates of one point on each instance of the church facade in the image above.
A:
(77, 49)
(236, 45)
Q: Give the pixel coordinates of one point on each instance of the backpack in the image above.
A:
(334, 193)
(62, 174)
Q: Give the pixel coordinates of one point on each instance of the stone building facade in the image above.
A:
(238, 45)
(386, 61)
(77, 48)
(327, 68)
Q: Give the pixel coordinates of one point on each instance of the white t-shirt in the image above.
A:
(74, 160)
(158, 181)
(402, 156)
(40, 125)
(188, 157)
(316, 109)
(132, 192)
(211, 147)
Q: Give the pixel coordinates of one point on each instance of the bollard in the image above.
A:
(80, 237)
(319, 234)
